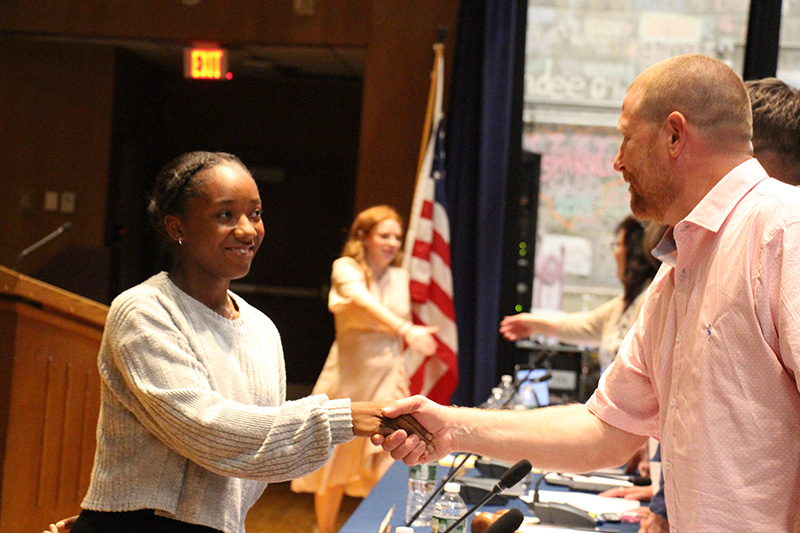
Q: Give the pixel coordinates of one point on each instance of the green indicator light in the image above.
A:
(518, 308)
(523, 253)
(523, 245)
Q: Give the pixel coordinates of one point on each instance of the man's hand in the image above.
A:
(408, 447)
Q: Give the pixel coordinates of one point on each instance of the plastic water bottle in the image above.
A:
(494, 399)
(507, 396)
(448, 509)
(421, 484)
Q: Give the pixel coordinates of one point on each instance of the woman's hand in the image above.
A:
(629, 493)
(421, 339)
(520, 326)
(369, 420)
(62, 526)
(651, 522)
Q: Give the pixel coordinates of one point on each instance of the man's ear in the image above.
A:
(676, 128)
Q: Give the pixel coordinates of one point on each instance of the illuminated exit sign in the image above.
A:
(205, 63)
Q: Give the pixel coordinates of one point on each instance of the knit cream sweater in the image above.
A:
(193, 419)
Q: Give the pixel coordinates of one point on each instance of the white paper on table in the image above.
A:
(535, 528)
(588, 483)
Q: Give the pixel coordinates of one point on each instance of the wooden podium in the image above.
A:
(49, 400)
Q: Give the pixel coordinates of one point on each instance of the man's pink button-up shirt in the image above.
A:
(711, 366)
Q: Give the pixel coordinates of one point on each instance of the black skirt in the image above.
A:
(133, 522)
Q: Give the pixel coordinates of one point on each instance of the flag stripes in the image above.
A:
(427, 257)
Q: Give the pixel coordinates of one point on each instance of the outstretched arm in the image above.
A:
(565, 438)
(524, 325)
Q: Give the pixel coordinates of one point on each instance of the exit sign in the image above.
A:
(205, 63)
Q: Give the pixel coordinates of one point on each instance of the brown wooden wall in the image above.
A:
(56, 102)
(55, 115)
(334, 22)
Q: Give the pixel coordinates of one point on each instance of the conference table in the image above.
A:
(392, 490)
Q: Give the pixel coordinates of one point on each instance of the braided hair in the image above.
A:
(175, 183)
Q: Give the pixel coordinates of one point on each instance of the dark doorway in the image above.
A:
(297, 132)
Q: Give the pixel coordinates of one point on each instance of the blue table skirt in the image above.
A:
(392, 489)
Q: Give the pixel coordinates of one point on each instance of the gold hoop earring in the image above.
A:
(180, 241)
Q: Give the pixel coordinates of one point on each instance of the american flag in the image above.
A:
(427, 255)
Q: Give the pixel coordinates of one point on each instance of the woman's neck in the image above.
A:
(213, 293)
(377, 271)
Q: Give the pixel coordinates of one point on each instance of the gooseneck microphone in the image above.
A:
(559, 514)
(41, 242)
(508, 522)
(511, 477)
(638, 481)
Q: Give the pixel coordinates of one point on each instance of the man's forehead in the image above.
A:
(625, 112)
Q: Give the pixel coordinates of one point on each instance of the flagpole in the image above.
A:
(434, 97)
(438, 50)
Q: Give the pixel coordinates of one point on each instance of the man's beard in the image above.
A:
(651, 199)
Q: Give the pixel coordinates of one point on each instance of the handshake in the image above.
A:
(410, 425)
(413, 430)
(381, 421)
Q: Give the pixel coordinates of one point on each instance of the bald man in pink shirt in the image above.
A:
(711, 367)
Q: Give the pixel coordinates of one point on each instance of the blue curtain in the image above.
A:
(478, 149)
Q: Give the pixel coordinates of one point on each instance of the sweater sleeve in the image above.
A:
(587, 328)
(151, 368)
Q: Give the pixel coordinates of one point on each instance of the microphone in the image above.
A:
(508, 522)
(559, 514)
(516, 384)
(41, 242)
(511, 477)
(544, 377)
(638, 481)
(542, 356)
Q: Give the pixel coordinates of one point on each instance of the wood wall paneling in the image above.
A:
(55, 112)
(334, 23)
(397, 78)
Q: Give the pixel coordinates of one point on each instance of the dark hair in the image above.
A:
(776, 123)
(640, 265)
(175, 183)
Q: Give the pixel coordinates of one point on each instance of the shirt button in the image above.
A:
(672, 402)
(678, 338)
(667, 466)
(683, 274)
